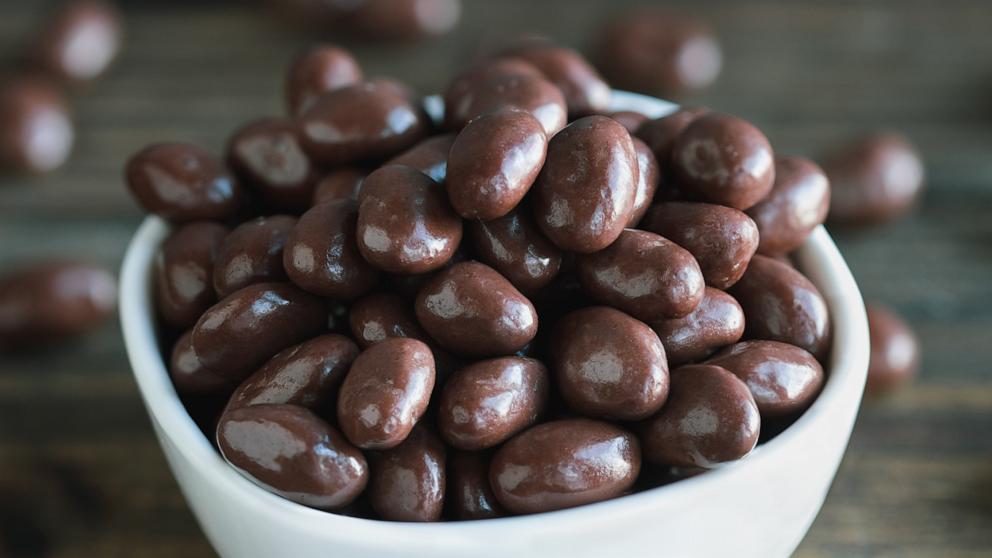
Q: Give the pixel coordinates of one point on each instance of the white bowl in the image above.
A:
(761, 506)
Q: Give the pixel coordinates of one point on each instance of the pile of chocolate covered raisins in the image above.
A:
(529, 305)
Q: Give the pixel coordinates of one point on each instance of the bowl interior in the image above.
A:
(818, 258)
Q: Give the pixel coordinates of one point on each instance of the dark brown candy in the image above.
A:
(609, 365)
(405, 224)
(493, 163)
(875, 179)
(643, 274)
(468, 494)
(585, 91)
(238, 334)
(307, 375)
(80, 41)
(386, 392)
(514, 246)
(36, 131)
(472, 80)
(408, 481)
(648, 178)
(401, 20)
(379, 316)
(316, 71)
(660, 134)
(585, 193)
(722, 239)
(780, 304)
(360, 122)
(563, 464)
(629, 119)
(252, 253)
(429, 157)
(472, 310)
(321, 255)
(486, 403)
(710, 418)
(288, 450)
(184, 269)
(725, 160)
(718, 321)
(340, 184)
(797, 203)
(267, 157)
(504, 86)
(783, 379)
(188, 374)
(895, 351)
(50, 301)
(182, 182)
(659, 53)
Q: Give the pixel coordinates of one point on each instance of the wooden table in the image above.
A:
(81, 474)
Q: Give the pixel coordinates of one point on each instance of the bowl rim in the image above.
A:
(846, 375)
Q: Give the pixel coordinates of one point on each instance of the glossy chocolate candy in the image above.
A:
(875, 179)
(238, 334)
(724, 160)
(584, 90)
(468, 495)
(721, 239)
(660, 133)
(798, 202)
(386, 392)
(321, 255)
(585, 193)
(489, 401)
(658, 53)
(780, 304)
(307, 374)
(49, 301)
(643, 274)
(290, 451)
(710, 418)
(379, 316)
(408, 481)
(36, 130)
(267, 157)
(184, 268)
(493, 163)
(252, 253)
(188, 374)
(515, 247)
(783, 379)
(895, 351)
(718, 321)
(182, 182)
(563, 464)
(361, 122)
(609, 365)
(472, 310)
(400, 20)
(80, 41)
(504, 85)
(316, 71)
(405, 224)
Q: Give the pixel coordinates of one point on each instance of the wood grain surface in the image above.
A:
(80, 472)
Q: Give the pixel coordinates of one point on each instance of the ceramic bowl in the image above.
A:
(761, 506)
